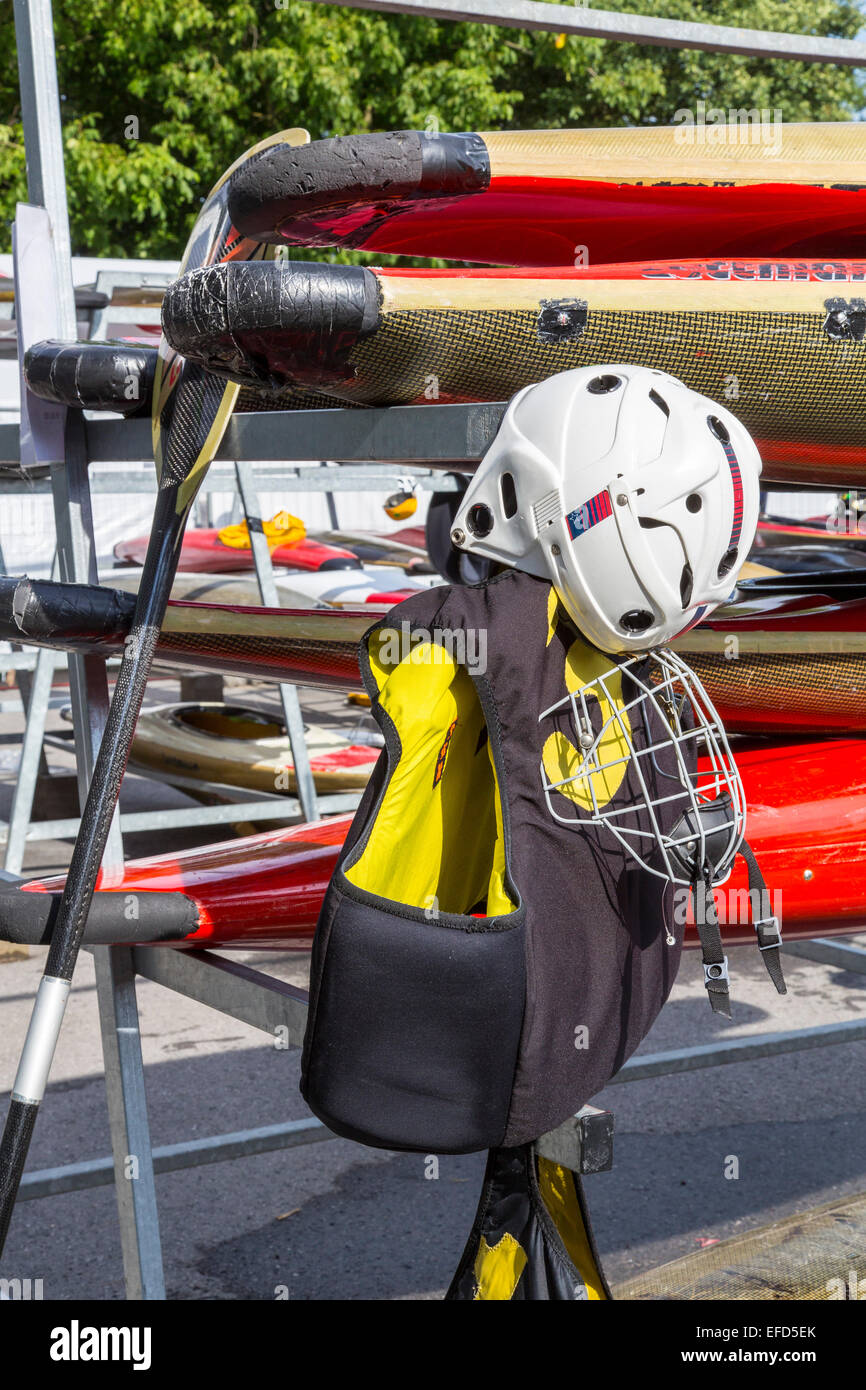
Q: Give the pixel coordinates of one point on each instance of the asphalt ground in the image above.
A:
(334, 1220)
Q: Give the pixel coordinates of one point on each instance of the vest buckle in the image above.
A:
(716, 972)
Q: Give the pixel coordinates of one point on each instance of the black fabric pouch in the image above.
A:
(420, 1018)
(418, 975)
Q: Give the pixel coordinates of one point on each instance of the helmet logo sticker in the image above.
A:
(591, 513)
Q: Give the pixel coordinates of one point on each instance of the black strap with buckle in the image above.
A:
(766, 925)
(714, 959)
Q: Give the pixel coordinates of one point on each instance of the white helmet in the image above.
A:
(636, 496)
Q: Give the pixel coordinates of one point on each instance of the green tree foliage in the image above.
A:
(203, 81)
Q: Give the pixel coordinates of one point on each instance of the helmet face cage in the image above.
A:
(685, 716)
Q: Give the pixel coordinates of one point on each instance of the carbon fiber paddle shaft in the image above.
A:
(47, 1017)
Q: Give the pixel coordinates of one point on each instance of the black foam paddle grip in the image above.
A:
(115, 918)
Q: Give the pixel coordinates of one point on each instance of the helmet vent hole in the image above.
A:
(509, 495)
(694, 502)
(727, 562)
(637, 620)
(601, 385)
(479, 519)
(661, 403)
(686, 586)
(718, 429)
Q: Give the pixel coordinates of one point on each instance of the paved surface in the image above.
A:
(337, 1221)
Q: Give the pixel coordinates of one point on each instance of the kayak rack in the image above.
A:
(61, 452)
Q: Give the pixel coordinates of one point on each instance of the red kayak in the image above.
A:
(565, 197)
(806, 824)
(789, 655)
(203, 552)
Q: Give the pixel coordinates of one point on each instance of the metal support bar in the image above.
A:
(584, 1143)
(53, 308)
(232, 988)
(131, 822)
(627, 28)
(294, 720)
(126, 472)
(28, 767)
(828, 951)
(43, 143)
(739, 1050)
(431, 436)
(127, 1114)
(169, 1158)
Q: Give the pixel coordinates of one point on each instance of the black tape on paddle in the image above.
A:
(269, 323)
(115, 918)
(296, 193)
(40, 610)
(112, 376)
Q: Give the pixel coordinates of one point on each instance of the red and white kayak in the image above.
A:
(806, 824)
(380, 587)
(207, 551)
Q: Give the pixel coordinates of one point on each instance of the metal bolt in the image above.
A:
(458, 536)
(555, 550)
(807, 874)
(622, 499)
(587, 740)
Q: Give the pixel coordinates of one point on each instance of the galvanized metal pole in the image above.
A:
(627, 28)
(43, 141)
(76, 552)
(292, 715)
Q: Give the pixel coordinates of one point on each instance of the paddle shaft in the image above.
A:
(48, 1011)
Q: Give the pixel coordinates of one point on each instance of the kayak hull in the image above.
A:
(380, 588)
(203, 552)
(784, 350)
(817, 1254)
(540, 197)
(802, 670)
(806, 824)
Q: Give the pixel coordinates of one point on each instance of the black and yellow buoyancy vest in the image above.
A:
(479, 969)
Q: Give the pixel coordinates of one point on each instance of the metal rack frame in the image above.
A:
(94, 456)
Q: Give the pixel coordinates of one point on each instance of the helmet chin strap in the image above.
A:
(715, 962)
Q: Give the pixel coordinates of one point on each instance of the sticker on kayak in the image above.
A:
(590, 514)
